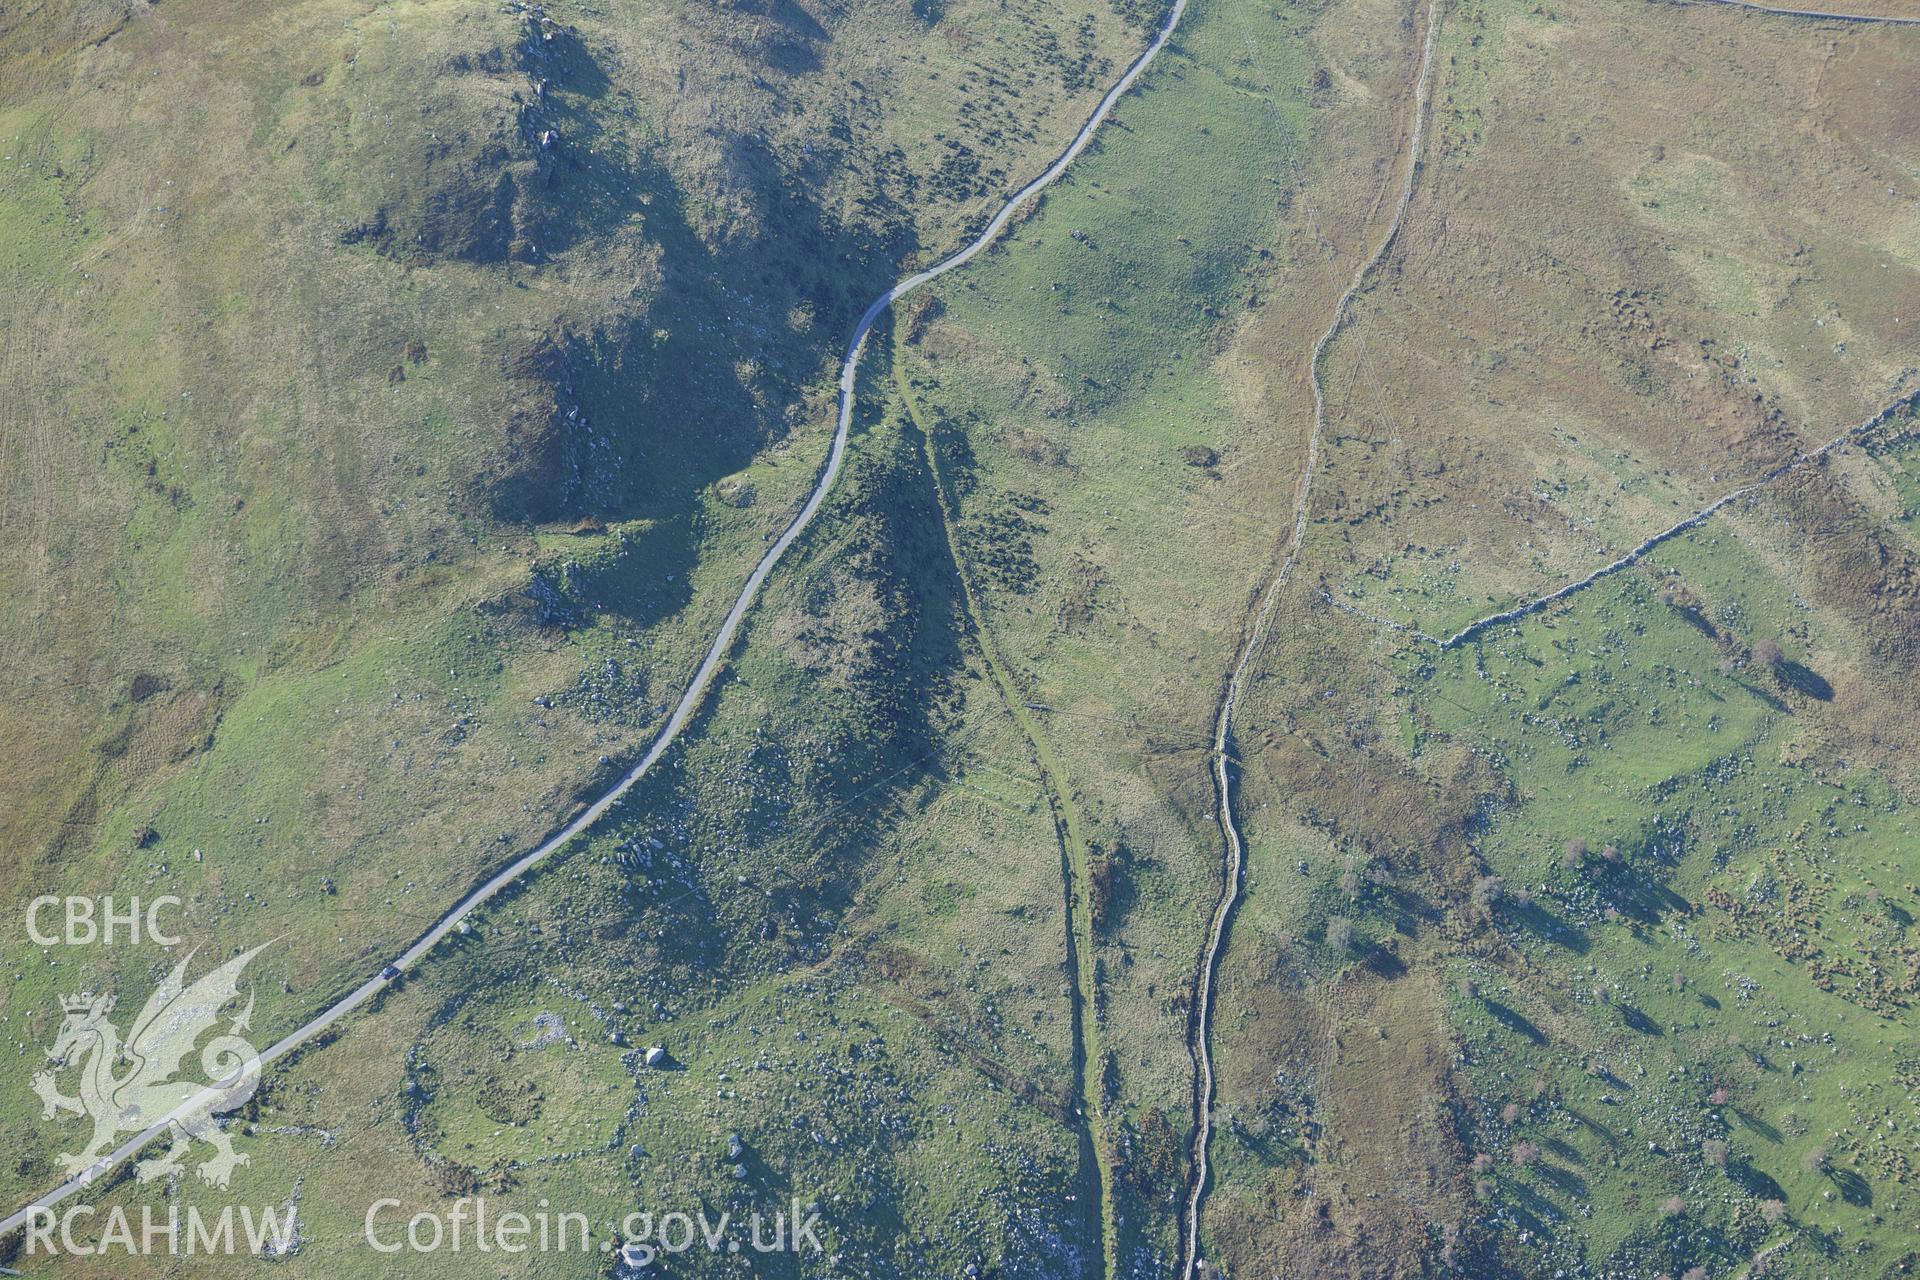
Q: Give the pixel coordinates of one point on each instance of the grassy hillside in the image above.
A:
(396, 399)
(858, 843)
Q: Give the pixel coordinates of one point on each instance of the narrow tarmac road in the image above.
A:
(710, 666)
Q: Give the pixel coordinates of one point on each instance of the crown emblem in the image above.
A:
(86, 1002)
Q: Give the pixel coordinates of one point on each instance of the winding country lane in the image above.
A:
(710, 666)
(1203, 1085)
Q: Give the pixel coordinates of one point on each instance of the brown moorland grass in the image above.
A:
(1639, 291)
(1614, 296)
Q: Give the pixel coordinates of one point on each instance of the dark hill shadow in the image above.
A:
(643, 419)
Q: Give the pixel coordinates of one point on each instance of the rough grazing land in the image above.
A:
(393, 398)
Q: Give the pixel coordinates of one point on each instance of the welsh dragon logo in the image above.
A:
(129, 1087)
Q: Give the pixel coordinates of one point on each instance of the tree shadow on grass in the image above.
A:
(1384, 962)
(1804, 681)
(1759, 1126)
(1550, 927)
(1270, 1153)
(1699, 621)
(1406, 909)
(1635, 1020)
(1529, 1207)
(1591, 1125)
(1642, 898)
(1753, 1181)
(1512, 1020)
(1563, 1180)
(1854, 1189)
(1563, 1150)
(1771, 701)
